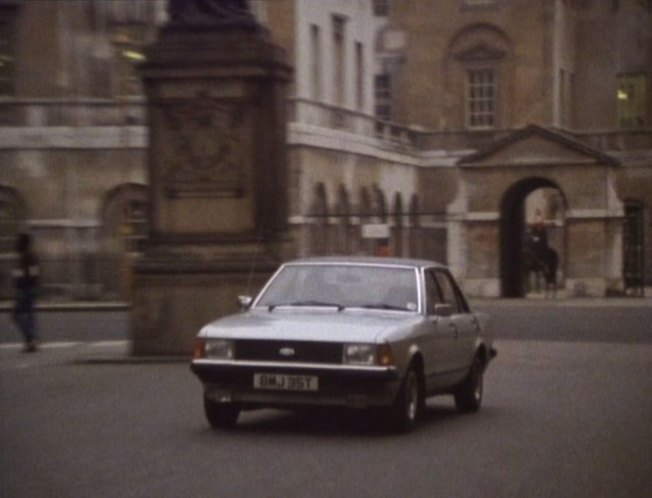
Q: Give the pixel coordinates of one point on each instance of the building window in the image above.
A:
(11, 219)
(135, 224)
(133, 26)
(380, 8)
(338, 57)
(359, 83)
(477, 3)
(566, 81)
(129, 44)
(481, 98)
(126, 216)
(632, 100)
(570, 95)
(383, 94)
(7, 17)
(315, 61)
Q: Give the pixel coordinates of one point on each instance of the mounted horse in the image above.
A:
(540, 260)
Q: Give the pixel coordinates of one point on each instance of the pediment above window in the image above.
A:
(480, 52)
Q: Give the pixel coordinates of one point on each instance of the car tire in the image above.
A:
(221, 415)
(468, 396)
(405, 412)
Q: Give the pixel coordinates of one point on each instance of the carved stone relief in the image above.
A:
(204, 144)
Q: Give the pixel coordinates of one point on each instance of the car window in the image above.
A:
(343, 285)
(433, 294)
(451, 293)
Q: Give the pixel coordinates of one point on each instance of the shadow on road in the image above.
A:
(333, 422)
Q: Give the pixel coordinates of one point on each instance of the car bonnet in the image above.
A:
(321, 325)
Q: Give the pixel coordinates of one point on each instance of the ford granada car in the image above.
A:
(356, 333)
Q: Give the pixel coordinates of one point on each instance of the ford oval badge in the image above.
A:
(286, 351)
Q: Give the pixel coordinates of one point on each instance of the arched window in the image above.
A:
(318, 228)
(398, 209)
(398, 224)
(365, 205)
(126, 216)
(414, 211)
(379, 205)
(343, 211)
(319, 204)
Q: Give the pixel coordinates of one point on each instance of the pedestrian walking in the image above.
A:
(26, 276)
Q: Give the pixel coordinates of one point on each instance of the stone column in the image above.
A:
(217, 172)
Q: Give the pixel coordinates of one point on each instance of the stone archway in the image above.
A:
(512, 226)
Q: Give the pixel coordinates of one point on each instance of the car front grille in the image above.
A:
(288, 351)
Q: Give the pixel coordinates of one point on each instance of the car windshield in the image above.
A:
(343, 286)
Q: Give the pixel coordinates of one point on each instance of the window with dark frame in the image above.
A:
(359, 76)
(316, 62)
(383, 94)
(338, 25)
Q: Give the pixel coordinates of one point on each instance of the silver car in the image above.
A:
(346, 332)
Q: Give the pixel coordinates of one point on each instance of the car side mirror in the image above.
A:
(443, 309)
(245, 302)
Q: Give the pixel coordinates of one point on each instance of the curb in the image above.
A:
(623, 302)
(7, 306)
(132, 360)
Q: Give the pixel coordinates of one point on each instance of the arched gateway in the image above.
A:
(494, 185)
(514, 254)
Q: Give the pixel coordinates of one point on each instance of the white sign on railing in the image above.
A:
(375, 231)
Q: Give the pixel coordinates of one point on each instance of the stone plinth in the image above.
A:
(218, 181)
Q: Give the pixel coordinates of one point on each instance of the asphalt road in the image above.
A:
(567, 413)
(560, 419)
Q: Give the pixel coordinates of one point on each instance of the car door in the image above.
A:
(439, 339)
(464, 322)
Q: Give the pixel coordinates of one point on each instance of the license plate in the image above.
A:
(280, 382)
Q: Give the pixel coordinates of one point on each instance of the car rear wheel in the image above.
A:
(221, 415)
(405, 411)
(468, 397)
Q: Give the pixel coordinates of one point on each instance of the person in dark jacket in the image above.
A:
(26, 276)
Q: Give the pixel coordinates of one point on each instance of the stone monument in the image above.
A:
(215, 85)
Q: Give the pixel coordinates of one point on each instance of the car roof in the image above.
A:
(368, 260)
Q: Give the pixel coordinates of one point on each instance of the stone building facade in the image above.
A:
(416, 127)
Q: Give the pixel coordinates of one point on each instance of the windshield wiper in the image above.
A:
(382, 306)
(323, 304)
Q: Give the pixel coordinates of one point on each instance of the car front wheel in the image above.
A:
(405, 411)
(221, 415)
(468, 397)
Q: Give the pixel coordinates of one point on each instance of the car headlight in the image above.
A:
(368, 354)
(216, 349)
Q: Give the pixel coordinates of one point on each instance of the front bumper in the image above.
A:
(339, 385)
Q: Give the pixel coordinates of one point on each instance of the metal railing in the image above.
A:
(130, 111)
